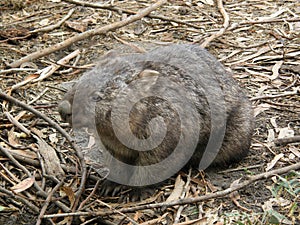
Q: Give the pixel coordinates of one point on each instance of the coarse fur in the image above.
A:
(173, 66)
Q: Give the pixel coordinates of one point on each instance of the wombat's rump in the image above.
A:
(180, 91)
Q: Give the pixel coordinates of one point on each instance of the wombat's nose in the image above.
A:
(65, 110)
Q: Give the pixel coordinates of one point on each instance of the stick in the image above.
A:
(87, 34)
(36, 185)
(227, 191)
(54, 26)
(47, 202)
(120, 10)
(283, 141)
(222, 30)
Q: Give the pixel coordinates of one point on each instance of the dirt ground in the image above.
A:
(259, 41)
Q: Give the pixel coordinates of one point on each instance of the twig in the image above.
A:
(281, 104)
(238, 25)
(296, 19)
(89, 221)
(47, 202)
(118, 212)
(40, 190)
(34, 162)
(251, 179)
(90, 195)
(54, 26)
(39, 96)
(14, 161)
(58, 128)
(296, 92)
(48, 71)
(15, 38)
(195, 221)
(134, 47)
(20, 199)
(12, 70)
(87, 34)
(94, 5)
(17, 123)
(222, 30)
(40, 115)
(283, 141)
(241, 168)
(11, 175)
(120, 10)
(44, 174)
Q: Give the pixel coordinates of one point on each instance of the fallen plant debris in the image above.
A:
(44, 44)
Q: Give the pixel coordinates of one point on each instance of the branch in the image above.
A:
(227, 191)
(283, 141)
(120, 10)
(87, 34)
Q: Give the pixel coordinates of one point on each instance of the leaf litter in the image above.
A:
(260, 45)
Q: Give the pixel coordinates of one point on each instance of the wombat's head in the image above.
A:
(77, 107)
(78, 104)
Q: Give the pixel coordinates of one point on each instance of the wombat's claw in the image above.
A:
(109, 188)
(140, 194)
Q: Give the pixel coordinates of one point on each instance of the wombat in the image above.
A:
(159, 111)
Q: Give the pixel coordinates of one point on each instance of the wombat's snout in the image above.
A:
(65, 111)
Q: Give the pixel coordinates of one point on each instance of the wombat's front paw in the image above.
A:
(125, 193)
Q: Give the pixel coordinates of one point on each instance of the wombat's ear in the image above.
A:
(148, 73)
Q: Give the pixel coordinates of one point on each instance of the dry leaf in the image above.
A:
(53, 138)
(50, 158)
(271, 135)
(297, 26)
(295, 151)
(81, 27)
(261, 108)
(234, 196)
(20, 115)
(285, 132)
(271, 164)
(67, 191)
(178, 188)
(23, 185)
(25, 153)
(268, 205)
(273, 122)
(25, 81)
(137, 215)
(44, 22)
(261, 90)
(13, 138)
(92, 141)
(38, 132)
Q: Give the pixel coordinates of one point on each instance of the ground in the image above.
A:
(259, 44)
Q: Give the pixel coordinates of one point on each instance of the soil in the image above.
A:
(261, 48)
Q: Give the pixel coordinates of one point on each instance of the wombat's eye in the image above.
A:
(97, 96)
